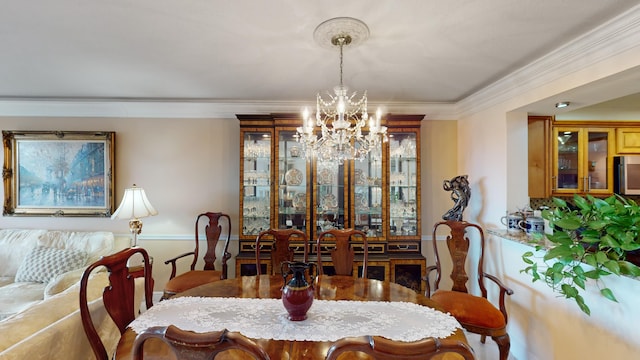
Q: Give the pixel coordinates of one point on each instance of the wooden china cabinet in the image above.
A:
(380, 195)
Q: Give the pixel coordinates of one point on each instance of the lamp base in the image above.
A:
(135, 226)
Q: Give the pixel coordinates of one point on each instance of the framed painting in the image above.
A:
(58, 173)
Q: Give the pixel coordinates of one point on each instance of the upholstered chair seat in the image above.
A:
(191, 279)
(469, 309)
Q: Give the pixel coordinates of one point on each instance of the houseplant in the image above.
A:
(591, 239)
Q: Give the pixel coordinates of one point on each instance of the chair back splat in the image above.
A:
(280, 250)
(381, 348)
(192, 278)
(474, 312)
(342, 252)
(118, 297)
(197, 346)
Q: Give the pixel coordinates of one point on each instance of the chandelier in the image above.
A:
(341, 117)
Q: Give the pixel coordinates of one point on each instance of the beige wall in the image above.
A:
(189, 166)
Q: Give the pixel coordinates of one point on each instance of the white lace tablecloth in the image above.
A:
(326, 320)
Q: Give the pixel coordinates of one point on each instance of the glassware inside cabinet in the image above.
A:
(597, 163)
(568, 161)
(403, 184)
(292, 183)
(367, 196)
(256, 184)
(329, 196)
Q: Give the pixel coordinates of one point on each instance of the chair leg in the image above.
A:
(503, 345)
(166, 295)
(483, 338)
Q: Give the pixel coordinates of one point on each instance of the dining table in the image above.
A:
(245, 299)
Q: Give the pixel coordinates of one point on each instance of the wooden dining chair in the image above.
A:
(381, 348)
(118, 297)
(193, 277)
(280, 249)
(475, 313)
(197, 346)
(343, 253)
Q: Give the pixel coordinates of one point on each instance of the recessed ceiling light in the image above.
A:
(562, 104)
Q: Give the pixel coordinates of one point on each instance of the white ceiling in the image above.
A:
(425, 51)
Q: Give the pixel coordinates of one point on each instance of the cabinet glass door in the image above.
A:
(403, 207)
(256, 182)
(597, 161)
(568, 160)
(329, 196)
(367, 182)
(293, 180)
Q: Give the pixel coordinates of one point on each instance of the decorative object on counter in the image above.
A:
(512, 222)
(532, 225)
(134, 205)
(602, 233)
(297, 293)
(460, 194)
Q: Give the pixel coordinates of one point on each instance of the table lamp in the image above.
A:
(134, 205)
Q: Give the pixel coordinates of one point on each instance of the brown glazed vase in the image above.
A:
(297, 292)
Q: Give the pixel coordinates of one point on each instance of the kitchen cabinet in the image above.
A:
(539, 156)
(628, 140)
(582, 160)
(281, 188)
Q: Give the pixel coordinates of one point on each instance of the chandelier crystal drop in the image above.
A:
(340, 116)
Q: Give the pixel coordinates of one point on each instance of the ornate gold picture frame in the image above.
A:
(58, 173)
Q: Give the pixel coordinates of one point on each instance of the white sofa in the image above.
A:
(36, 264)
(41, 319)
(52, 329)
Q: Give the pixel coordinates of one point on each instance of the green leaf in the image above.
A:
(613, 266)
(557, 277)
(601, 257)
(559, 202)
(606, 292)
(569, 291)
(579, 281)
(597, 224)
(607, 240)
(559, 252)
(581, 203)
(590, 239)
(560, 237)
(590, 259)
(568, 223)
(628, 268)
(629, 247)
(585, 309)
(593, 274)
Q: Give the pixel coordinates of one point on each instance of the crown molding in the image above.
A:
(607, 41)
(184, 108)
